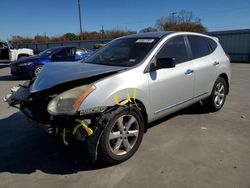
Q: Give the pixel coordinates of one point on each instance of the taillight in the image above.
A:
(229, 58)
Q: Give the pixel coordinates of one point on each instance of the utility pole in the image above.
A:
(80, 18)
(102, 33)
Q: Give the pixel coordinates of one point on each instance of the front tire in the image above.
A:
(122, 136)
(37, 70)
(218, 96)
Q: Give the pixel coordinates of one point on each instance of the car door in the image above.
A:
(172, 88)
(204, 64)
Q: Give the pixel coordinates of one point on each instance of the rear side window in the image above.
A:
(199, 46)
(175, 48)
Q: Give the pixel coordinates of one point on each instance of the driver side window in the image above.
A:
(175, 48)
(66, 52)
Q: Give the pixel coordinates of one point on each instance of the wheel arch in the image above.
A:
(22, 55)
(225, 77)
(144, 113)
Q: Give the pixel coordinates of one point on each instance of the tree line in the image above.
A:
(182, 21)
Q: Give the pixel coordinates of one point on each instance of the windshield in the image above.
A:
(123, 52)
(46, 53)
(10, 45)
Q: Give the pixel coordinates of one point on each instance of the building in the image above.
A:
(236, 43)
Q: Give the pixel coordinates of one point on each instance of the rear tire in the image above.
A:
(218, 96)
(122, 136)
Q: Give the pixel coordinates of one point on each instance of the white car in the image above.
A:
(9, 53)
(108, 100)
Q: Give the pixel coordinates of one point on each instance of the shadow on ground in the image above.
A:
(4, 65)
(197, 108)
(25, 148)
(12, 78)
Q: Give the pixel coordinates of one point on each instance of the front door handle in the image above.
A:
(189, 72)
(216, 63)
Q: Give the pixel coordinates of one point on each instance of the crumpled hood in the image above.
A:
(58, 73)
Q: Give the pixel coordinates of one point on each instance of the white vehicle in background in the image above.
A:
(9, 53)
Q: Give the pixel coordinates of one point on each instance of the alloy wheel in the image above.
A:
(123, 135)
(219, 94)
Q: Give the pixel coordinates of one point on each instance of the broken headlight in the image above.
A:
(69, 101)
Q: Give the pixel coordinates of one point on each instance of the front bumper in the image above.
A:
(20, 70)
(78, 127)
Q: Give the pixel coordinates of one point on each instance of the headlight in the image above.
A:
(25, 64)
(69, 101)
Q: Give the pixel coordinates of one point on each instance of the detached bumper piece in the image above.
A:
(18, 94)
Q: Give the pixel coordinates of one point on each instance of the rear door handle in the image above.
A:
(189, 72)
(216, 63)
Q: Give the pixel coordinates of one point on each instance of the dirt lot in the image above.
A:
(189, 149)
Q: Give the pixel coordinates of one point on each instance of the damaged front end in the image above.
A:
(57, 110)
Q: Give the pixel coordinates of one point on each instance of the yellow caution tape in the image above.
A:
(127, 100)
(85, 126)
(134, 97)
(64, 137)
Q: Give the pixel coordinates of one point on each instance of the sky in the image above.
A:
(56, 17)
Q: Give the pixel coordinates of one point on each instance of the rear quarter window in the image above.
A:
(200, 46)
(213, 45)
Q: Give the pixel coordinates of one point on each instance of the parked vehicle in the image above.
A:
(32, 66)
(109, 100)
(8, 53)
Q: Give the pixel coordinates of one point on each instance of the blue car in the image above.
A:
(31, 66)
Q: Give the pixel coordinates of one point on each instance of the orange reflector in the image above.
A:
(82, 97)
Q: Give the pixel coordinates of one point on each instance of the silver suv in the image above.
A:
(108, 100)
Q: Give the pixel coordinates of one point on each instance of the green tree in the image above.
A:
(71, 36)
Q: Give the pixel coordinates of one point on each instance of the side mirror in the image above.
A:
(163, 63)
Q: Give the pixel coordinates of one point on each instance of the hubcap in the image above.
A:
(219, 94)
(123, 135)
(38, 70)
